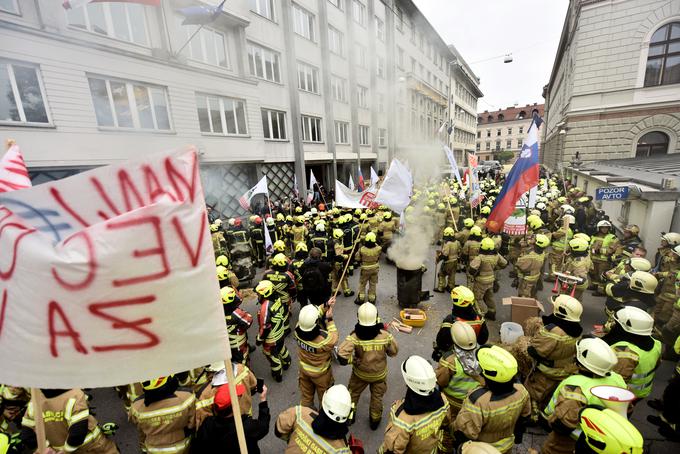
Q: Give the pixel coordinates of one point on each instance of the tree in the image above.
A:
(505, 156)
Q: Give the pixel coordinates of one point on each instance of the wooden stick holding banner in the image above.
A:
(455, 221)
(235, 406)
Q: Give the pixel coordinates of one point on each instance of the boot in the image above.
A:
(359, 300)
(278, 377)
(439, 289)
(656, 404)
(348, 293)
(374, 424)
(490, 316)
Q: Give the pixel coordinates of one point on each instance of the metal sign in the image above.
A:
(612, 193)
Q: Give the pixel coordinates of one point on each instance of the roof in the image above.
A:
(509, 114)
(410, 8)
(465, 69)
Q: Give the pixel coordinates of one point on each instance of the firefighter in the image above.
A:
(218, 240)
(285, 288)
(171, 432)
(483, 268)
(270, 225)
(671, 330)
(369, 256)
(238, 321)
(458, 374)
(463, 310)
(560, 239)
(448, 255)
(308, 431)
(595, 360)
(339, 259)
(637, 288)
(256, 233)
(602, 247)
(388, 226)
(623, 270)
(320, 240)
(417, 421)
(578, 265)
(238, 235)
(314, 353)
(68, 424)
(440, 221)
(367, 349)
(630, 240)
(301, 254)
(530, 266)
(638, 353)
(667, 265)
(471, 251)
(604, 431)
(271, 318)
(483, 215)
(553, 348)
(13, 403)
(298, 233)
(497, 412)
(463, 235)
(225, 275)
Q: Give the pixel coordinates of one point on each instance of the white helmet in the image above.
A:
(672, 238)
(419, 375)
(320, 227)
(367, 314)
(313, 211)
(337, 403)
(676, 250)
(567, 209)
(643, 282)
(541, 206)
(478, 447)
(604, 224)
(570, 219)
(567, 308)
(463, 335)
(270, 221)
(596, 355)
(308, 317)
(634, 320)
(640, 264)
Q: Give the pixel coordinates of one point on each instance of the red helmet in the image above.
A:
(258, 220)
(237, 222)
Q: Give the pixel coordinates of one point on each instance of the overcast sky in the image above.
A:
(481, 29)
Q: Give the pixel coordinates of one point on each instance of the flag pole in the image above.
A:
(235, 405)
(189, 40)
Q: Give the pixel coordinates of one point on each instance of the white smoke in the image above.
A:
(410, 250)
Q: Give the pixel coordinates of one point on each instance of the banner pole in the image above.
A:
(235, 406)
(39, 422)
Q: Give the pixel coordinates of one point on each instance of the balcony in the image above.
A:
(425, 89)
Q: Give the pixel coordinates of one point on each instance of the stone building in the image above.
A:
(504, 130)
(614, 91)
(463, 106)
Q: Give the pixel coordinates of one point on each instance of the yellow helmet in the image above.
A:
(280, 217)
(279, 246)
(583, 236)
(357, 212)
(222, 260)
(535, 222)
(542, 241)
(468, 222)
(213, 227)
(265, 288)
(156, 383)
(449, 231)
(607, 432)
(485, 210)
(4, 443)
(337, 234)
(279, 260)
(222, 273)
(228, 294)
(453, 200)
(462, 296)
(370, 237)
(301, 246)
(487, 245)
(431, 203)
(578, 245)
(298, 209)
(476, 231)
(387, 215)
(441, 206)
(497, 364)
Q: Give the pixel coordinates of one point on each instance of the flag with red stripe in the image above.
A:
(13, 172)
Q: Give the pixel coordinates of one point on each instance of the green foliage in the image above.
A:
(504, 156)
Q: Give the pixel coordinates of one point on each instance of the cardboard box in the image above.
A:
(523, 308)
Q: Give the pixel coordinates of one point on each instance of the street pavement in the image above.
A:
(419, 342)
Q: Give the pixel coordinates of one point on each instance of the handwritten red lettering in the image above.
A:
(129, 189)
(54, 310)
(159, 250)
(105, 197)
(91, 264)
(56, 195)
(6, 274)
(195, 254)
(154, 189)
(177, 179)
(3, 307)
(118, 323)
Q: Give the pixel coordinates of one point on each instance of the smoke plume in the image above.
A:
(410, 250)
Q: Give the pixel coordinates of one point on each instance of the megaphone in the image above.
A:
(614, 398)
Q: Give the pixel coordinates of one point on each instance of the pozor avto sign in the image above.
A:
(612, 193)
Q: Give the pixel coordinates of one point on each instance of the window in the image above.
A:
(360, 55)
(521, 130)
(498, 132)
(264, 8)
(303, 22)
(508, 143)
(22, 96)
(359, 12)
(341, 132)
(479, 134)
(488, 133)
(413, 33)
(133, 105)
(364, 135)
(663, 60)
(400, 57)
(124, 21)
(498, 145)
(400, 19)
(308, 78)
(311, 129)
(337, 3)
(382, 137)
(488, 146)
(264, 63)
(10, 6)
(339, 88)
(274, 124)
(624, 212)
(522, 115)
(509, 131)
(379, 29)
(207, 46)
(380, 66)
(413, 65)
(218, 115)
(501, 117)
(381, 103)
(519, 143)
(479, 146)
(652, 143)
(336, 41)
(362, 96)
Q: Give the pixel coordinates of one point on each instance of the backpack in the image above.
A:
(312, 278)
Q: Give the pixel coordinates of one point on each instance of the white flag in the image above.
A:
(395, 191)
(454, 165)
(310, 189)
(268, 245)
(374, 176)
(259, 188)
(533, 192)
(351, 183)
(347, 198)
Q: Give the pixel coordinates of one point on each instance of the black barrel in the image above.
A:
(409, 284)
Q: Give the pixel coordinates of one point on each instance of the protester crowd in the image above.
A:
(473, 397)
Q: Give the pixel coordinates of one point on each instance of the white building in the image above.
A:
(271, 86)
(464, 95)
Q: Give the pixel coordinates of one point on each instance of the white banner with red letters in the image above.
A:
(108, 277)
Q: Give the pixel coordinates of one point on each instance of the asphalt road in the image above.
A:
(285, 394)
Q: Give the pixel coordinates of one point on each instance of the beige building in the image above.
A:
(614, 91)
(464, 95)
(504, 131)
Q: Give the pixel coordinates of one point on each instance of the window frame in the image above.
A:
(338, 4)
(362, 96)
(337, 81)
(663, 57)
(339, 126)
(361, 55)
(263, 50)
(201, 35)
(223, 119)
(17, 98)
(315, 77)
(364, 130)
(359, 8)
(279, 114)
(379, 28)
(272, 5)
(311, 21)
(380, 66)
(382, 137)
(108, 19)
(306, 120)
(17, 10)
(340, 41)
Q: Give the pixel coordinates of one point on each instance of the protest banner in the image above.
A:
(108, 277)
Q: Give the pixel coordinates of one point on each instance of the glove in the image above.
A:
(436, 355)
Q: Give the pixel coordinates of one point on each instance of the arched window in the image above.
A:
(663, 60)
(501, 117)
(489, 119)
(652, 143)
(522, 115)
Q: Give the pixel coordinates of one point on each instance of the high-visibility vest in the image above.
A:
(643, 375)
(319, 443)
(461, 383)
(560, 243)
(606, 241)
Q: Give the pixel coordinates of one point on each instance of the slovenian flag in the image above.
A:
(360, 184)
(522, 177)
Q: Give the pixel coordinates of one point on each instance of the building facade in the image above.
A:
(614, 91)
(275, 87)
(500, 133)
(464, 95)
